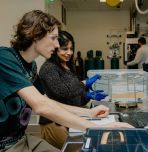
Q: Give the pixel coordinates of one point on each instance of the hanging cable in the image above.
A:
(138, 9)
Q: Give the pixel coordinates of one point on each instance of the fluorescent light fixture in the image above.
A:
(105, 0)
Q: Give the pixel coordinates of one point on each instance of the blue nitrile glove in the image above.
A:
(91, 80)
(100, 96)
(96, 95)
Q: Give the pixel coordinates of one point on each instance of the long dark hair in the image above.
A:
(64, 39)
(34, 25)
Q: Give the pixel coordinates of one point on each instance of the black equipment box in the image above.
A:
(115, 140)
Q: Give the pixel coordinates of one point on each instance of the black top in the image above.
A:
(62, 85)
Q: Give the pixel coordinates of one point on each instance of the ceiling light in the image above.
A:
(105, 0)
(102, 0)
(112, 3)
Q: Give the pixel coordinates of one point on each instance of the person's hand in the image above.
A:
(99, 111)
(125, 63)
(91, 80)
(99, 96)
(117, 125)
(96, 95)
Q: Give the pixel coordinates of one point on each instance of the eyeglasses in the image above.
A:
(53, 37)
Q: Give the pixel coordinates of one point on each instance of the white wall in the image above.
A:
(142, 20)
(12, 10)
(10, 13)
(55, 8)
(90, 29)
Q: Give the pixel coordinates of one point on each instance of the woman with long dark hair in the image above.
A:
(61, 83)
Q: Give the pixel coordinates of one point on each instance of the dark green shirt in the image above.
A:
(14, 112)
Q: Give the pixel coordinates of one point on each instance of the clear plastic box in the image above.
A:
(122, 85)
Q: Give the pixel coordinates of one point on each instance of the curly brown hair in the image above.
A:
(34, 25)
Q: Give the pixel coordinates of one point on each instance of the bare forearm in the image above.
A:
(76, 110)
(54, 111)
(65, 118)
(58, 113)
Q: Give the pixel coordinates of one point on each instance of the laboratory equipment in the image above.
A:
(115, 140)
(124, 86)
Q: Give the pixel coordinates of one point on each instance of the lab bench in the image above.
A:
(75, 141)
